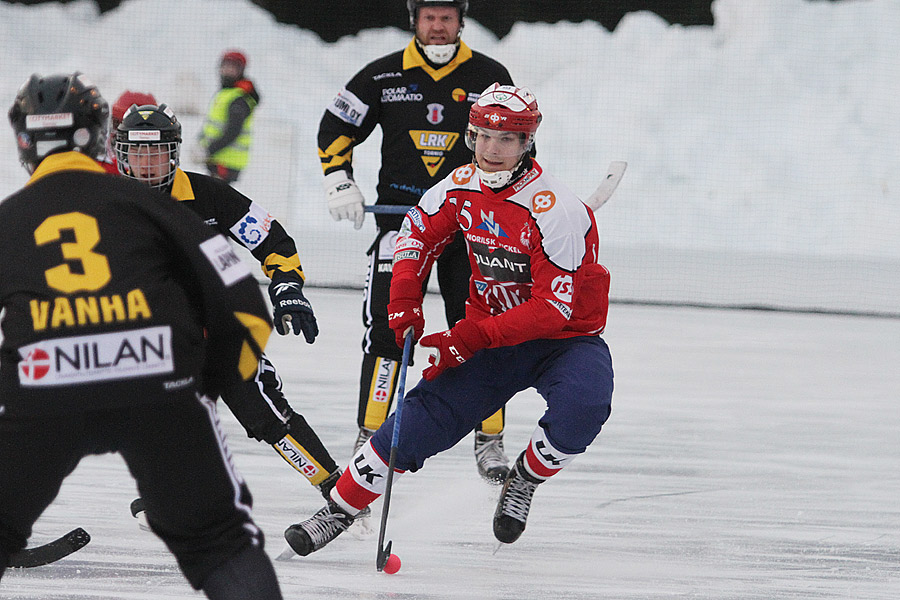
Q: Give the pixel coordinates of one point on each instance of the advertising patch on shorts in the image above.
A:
(225, 260)
(253, 227)
(93, 358)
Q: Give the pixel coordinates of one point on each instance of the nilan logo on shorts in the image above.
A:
(93, 358)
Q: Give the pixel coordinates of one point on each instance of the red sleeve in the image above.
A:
(421, 240)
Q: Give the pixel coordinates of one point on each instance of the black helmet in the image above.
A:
(148, 144)
(56, 114)
(413, 7)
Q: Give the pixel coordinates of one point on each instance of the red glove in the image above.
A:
(405, 309)
(454, 347)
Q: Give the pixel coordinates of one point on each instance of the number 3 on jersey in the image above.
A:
(95, 271)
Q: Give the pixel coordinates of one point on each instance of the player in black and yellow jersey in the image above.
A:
(148, 146)
(420, 97)
(122, 314)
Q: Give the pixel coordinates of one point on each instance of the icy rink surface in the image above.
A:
(750, 455)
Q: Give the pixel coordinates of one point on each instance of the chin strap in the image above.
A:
(500, 179)
(440, 54)
(495, 180)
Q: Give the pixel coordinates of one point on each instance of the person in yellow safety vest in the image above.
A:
(225, 139)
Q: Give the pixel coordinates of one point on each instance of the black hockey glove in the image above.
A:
(292, 309)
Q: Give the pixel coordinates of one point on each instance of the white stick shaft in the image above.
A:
(606, 188)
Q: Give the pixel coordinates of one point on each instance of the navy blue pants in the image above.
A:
(574, 376)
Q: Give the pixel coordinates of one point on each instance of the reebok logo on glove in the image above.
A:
(280, 288)
(293, 312)
(297, 301)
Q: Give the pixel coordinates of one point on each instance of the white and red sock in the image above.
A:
(542, 460)
(363, 481)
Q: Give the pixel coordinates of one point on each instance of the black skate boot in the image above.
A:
(328, 484)
(514, 503)
(318, 530)
(361, 438)
(493, 465)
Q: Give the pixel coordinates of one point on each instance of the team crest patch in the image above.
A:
(489, 225)
(435, 113)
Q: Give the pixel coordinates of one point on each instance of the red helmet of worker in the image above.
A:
(235, 56)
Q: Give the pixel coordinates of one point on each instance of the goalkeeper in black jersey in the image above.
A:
(122, 312)
(148, 144)
(420, 97)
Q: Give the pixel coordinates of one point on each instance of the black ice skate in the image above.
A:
(361, 438)
(493, 465)
(328, 484)
(318, 530)
(514, 503)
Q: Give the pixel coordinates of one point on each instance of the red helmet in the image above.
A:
(124, 103)
(235, 56)
(506, 108)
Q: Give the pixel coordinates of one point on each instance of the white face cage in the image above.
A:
(152, 164)
(439, 54)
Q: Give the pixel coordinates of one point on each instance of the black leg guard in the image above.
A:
(301, 431)
(304, 451)
(377, 384)
(248, 575)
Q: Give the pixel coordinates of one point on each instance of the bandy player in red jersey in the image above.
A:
(537, 305)
(116, 114)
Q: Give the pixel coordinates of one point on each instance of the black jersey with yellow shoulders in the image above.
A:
(107, 289)
(423, 110)
(235, 215)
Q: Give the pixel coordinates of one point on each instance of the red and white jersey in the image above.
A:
(533, 250)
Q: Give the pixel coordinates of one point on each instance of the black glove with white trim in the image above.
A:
(292, 310)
